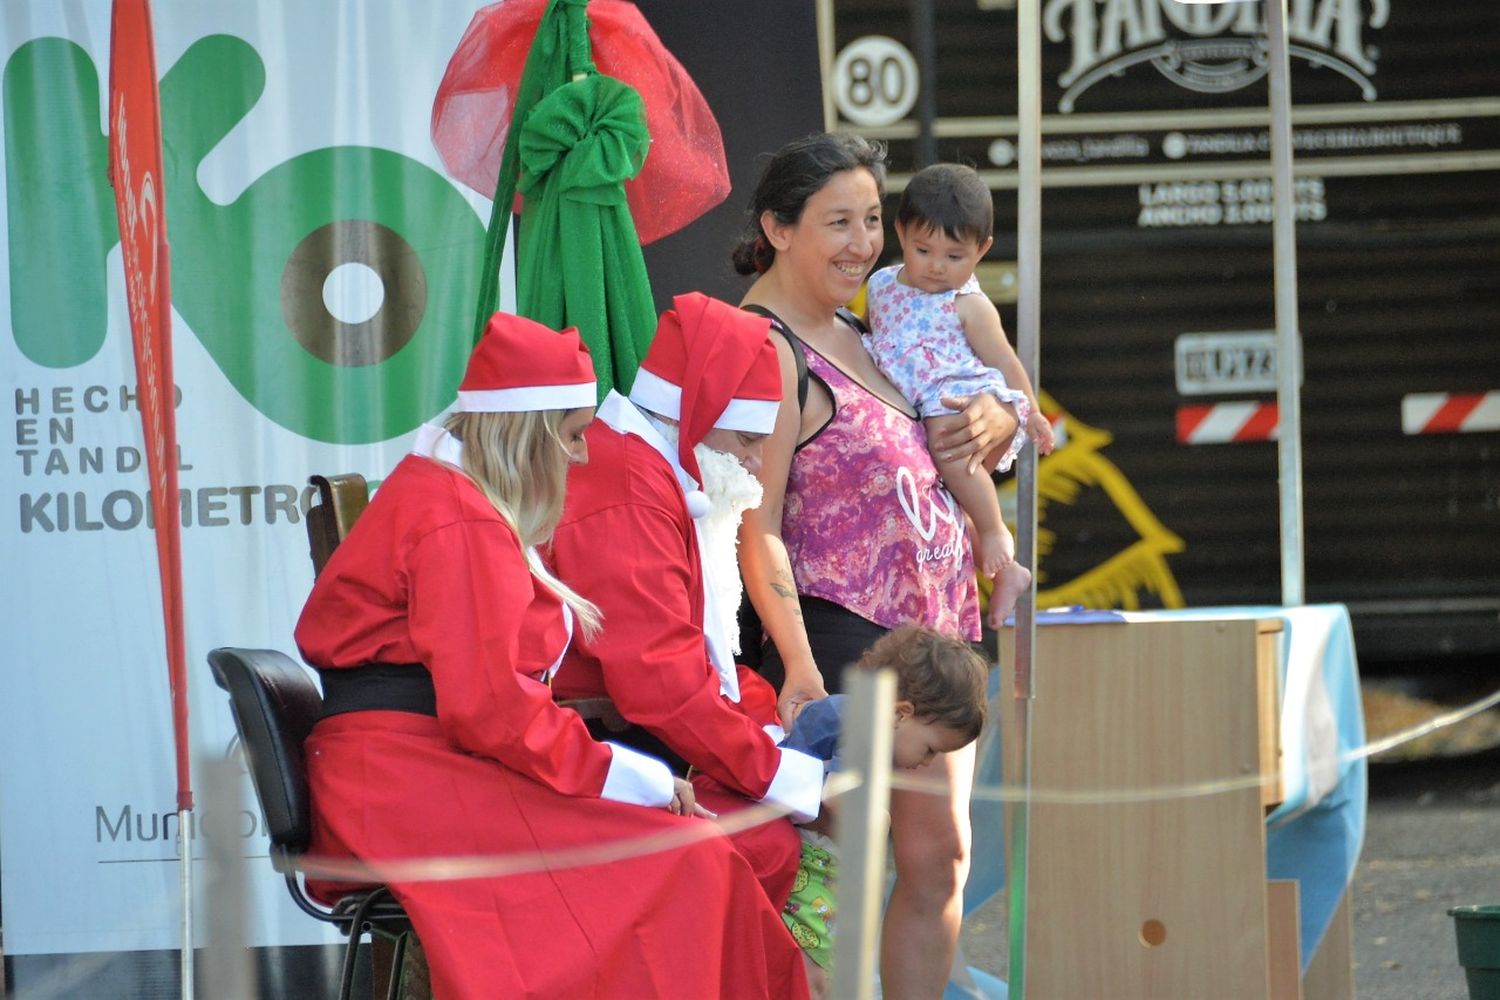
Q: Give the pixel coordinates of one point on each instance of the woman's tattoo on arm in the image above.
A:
(786, 588)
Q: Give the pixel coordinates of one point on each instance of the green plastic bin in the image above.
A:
(1478, 931)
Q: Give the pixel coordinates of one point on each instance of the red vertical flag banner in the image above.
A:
(135, 165)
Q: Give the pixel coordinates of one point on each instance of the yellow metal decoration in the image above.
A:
(1120, 580)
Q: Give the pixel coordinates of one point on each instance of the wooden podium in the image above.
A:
(1159, 891)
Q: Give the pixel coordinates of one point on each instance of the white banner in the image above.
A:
(324, 271)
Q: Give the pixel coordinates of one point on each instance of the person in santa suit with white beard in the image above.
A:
(648, 532)
(436, 628)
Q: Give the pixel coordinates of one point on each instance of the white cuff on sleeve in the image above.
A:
(637, 778)
(798, 785)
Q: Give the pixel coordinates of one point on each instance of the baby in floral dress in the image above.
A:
(938, 338)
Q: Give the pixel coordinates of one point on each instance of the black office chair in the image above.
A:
(275, 704)
(341, 499)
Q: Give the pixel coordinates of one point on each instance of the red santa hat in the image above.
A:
(710, 365)
(521, 365)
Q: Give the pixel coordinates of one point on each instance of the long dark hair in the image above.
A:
(795, 173)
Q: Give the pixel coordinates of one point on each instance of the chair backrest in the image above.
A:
(275, 704)
(343, 499)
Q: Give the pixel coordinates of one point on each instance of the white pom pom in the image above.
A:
(697, 504)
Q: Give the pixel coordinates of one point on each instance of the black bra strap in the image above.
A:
(799, 357)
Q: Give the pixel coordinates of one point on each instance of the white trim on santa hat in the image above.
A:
(526, 398)
(652, 392)
(752, 416)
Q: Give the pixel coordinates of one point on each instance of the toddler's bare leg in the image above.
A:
(975, 493)
(817, 979)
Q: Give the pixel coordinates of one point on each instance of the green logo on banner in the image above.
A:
(247, 277)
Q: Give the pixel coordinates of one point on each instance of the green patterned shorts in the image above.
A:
(810, 909)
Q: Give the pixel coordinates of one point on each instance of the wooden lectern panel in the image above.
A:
(1330, 975)
(1283, 913)
(1159, 893)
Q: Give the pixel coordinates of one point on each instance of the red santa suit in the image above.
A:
(628, 542)
(431, 575)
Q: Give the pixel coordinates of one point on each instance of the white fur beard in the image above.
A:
(731, 490)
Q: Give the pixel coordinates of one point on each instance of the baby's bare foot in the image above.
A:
(994, 551)
(1013, 581)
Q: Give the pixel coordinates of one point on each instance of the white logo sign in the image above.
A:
(874, 81)
(1240, 361)
(1211, 49)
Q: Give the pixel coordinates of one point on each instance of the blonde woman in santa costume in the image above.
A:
(436, 628)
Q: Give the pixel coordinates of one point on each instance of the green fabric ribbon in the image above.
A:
(594, 130)
(575, 138)
(546, 69)
(580, 260)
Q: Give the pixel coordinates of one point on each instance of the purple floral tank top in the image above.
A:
(867, 522)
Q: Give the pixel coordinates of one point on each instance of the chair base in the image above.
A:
(376, 912)
(400, 968)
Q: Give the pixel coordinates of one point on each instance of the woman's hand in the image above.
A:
(796, 692)
(981, 425)
(684, 803)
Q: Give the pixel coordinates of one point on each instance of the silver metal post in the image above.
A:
(1028, 304)
(185, 886)
(1288, 338)
(861, 831)
(825, 61)
(1028, 348)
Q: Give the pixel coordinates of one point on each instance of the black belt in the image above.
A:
(390, 687)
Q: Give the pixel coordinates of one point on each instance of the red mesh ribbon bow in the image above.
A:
(685, 173)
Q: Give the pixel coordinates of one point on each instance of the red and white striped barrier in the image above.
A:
(1226, 423)
(1450, 413)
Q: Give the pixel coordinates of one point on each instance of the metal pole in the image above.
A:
(924, 40)
(861, 831)
(825, 61)
(185, 885)
(1028, 303)
(1028, 342)
(1288, 339)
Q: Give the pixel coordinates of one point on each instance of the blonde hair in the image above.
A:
(519, 462)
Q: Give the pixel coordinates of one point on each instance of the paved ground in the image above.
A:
(1432, 840)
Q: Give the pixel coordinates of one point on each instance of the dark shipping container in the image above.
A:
(1157, 340)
